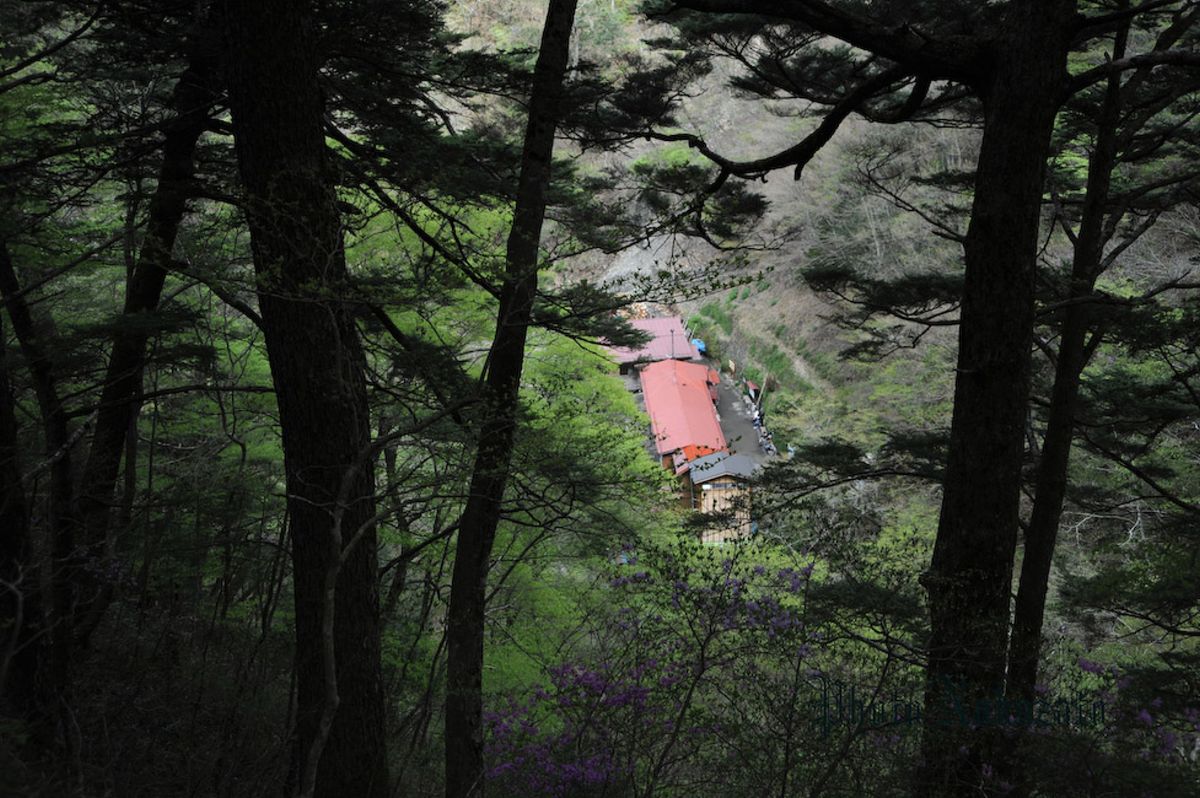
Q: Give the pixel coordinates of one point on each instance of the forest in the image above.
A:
(600, 398)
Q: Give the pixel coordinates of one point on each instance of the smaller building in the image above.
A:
(719, 483)
(669, 341)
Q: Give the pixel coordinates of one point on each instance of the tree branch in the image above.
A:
(949, 56)
(1183, 58)
(799, 154)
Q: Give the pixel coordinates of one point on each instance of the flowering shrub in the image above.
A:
(698, 661)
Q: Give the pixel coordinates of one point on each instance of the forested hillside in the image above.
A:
(622, 398)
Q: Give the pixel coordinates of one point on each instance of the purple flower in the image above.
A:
(1091, 667)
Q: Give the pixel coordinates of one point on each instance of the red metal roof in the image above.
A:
(682, 417)
(670, 341)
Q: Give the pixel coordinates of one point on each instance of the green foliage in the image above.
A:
(670, 156)
(597, 568)
(777, 365)
(719, 315)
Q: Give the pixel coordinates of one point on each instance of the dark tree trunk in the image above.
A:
(54, 663)
(477, 530)
(317, 367)
(119, 396)
(1051, 486)
(20, 605)
(970, 577)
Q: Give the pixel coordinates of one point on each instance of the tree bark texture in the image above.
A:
(317, 367)
(477, 530)
(970, 576)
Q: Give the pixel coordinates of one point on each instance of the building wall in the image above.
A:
(724, 496)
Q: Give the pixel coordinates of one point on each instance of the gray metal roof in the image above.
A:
(721, 464)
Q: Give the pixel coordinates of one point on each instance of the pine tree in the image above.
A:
(1011, 59)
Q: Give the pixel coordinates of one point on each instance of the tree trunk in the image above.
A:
(119, 396)
(1051, 487)
(317, 366)
(970, 576)
(54, 662)
(477, 530)
(20, 605)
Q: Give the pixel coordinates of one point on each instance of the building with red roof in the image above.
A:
(679, 399)
(669, 341)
